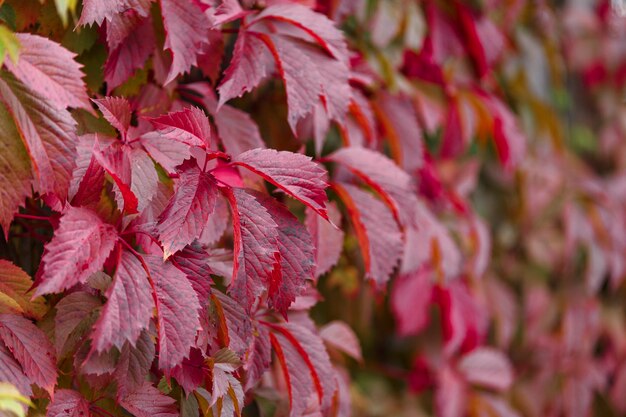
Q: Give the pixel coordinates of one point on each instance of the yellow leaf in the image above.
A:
(65, 6)
(8, 44)
(12, 401)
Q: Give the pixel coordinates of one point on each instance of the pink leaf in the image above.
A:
(487, 367)
(451, 394)
(176, 133)
(95, 11)
(117, 111)
(128, 309)
(393, 184)
(296, 174)
(80, 246)
(177, 309)
(147, 401)
(50, 69)
(185, 28)
(305, 365)
(328, 240)
(68, 403)
(410, 301)
(74, 310)
(31, 348)
(134, 364)
(378, 232)
(340, 336)
(11, 371)
(255, 246)
(130, 55)
(188, 211)
(249, 66)
(48, 134)
(296, 263)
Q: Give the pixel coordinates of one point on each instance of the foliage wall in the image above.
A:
(312, 208)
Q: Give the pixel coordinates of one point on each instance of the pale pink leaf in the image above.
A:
(340, 336)
(327, 239)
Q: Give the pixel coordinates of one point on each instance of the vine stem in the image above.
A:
(32, 217)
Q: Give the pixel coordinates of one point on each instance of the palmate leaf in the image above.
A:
(255, 246)
(378, 232)
(128, 309)
(47, 133)
(177, 310)
(80, 246)
(293, 173)
(290, 37)
(68, 403)
(50, 70)
(393, 184)
(186, 27)
(96, 11)
(188, 211)
(31, 348)
(305, 365)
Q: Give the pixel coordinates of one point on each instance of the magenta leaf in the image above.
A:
(117, 111)
(68, 403)
(378, 232)
(305, 365)
(134, 364)
(80, 246)
(393, 184)
(177, 310)
(185, 28)
(188, 211)
(96, 11)
(129, 306)
(11, 371)
(175, 135)
(327, 239)
(296, 263)
(255, 247)
(410, 300)
(31, 348)
(50, 70)
(147, 401)
(296, 174)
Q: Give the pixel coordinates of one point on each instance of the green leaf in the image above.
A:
(8, 45)
(12, 401)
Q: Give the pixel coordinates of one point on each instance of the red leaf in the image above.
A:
(393, 184)
(95, 11)
(88, 177)
(147, 401)
(185, 27)
(190, 373)
(130, 55)
(296, 174)
(115, 160)
(255, 246)
(177, 309)
(128, 309)
(48, 134)
(68, 403)
(410, 301)
(134, 364)
(80, 246)
(11, 371)
(305, 365)
(292, 35)
(378, 232)
(297, 263)
(31, 348)
(175, 135)
(74, 310)
(249, 66)
(235, 324)
(50, 70)
(487, 367)
(188, 211)
(117, 111)
(328, 240)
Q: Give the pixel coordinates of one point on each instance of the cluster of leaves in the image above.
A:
(188, 188)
